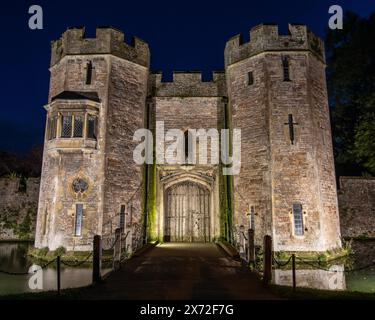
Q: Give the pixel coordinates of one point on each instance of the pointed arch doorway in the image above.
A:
(187, 213)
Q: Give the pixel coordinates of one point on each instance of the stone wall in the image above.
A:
(249, 112)
(118, 83)
(18, 209)
(107, 40)
(186, 103)
(67, 159)
(357, 207)
(278, 172)
(356, 202)
(125, 114)
(275, 173)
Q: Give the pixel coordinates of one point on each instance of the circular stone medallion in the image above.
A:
(80, 185)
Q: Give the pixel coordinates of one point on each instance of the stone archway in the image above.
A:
(187, 213)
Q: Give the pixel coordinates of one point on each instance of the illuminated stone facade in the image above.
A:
(273, 89)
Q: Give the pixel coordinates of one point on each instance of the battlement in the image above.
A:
(188, 84)
(108, 40)
(266, 37)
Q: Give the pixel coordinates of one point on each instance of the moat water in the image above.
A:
(356, 273)
(13, 258)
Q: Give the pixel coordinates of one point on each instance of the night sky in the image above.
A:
(183, 35)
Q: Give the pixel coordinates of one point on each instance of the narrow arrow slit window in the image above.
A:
(89, 73)
(298, 219)
(78, 224)
(286, 71)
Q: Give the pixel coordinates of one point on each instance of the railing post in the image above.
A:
(117, 249)
(129, 242)
(242, 242)
(267, 260)
(97, 258)
(58, 275)
(294, 271)
(251, 246)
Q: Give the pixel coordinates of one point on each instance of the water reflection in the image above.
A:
(364, 255)
(358, 273)
(332, 279)
(13, 257)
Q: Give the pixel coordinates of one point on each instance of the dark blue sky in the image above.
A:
(183, 35)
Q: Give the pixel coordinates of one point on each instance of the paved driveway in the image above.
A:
(175, 271)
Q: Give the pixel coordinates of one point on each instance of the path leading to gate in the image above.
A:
(181, 271)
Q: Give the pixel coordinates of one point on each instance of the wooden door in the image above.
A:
(187, 215)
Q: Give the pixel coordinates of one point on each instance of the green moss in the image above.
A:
(13, 176)
(60, 251)
(323, 258)
(9, 219)
(44, 254)
(226, 190)
(307, 293)
(149, 187)
(24, 229)
(151, 204)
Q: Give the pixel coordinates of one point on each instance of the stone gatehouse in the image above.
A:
(273, 89)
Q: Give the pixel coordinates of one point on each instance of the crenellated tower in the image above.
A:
(278, 98)
(96, 101)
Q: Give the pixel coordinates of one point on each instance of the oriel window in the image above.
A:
(66, 126)
(78, 126)
(52, 125)
(91, 127)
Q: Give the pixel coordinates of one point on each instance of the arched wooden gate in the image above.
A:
(187, 208)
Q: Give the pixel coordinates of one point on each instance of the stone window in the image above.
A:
(91, 127)
(52, 128)
(72, 126)
(250, 78)
(188, 146)
(122, 217)
(80, 185)
(78, 222)
(298, 219)
(252, 218)
(78, 126)
(286, 67)
(66, 126)
(89, 73)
